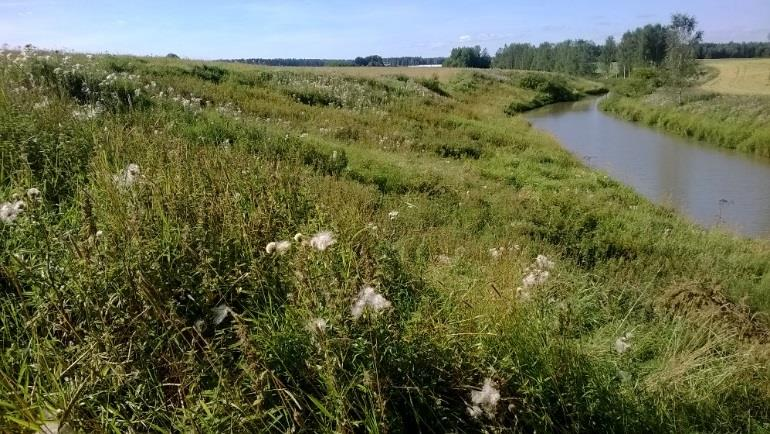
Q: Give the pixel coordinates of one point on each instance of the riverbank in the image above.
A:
(711, 186)
(253, 249)
(740, 122)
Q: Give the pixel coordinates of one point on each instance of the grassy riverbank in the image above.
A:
(733, 119)
(149, 297)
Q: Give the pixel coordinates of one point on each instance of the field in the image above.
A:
(730, 109)
(222, 248)
(739, 76)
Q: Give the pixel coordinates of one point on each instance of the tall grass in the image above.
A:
(153, 305)
(737, 122)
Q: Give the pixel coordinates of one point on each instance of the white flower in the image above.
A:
(621, 344)
(496, 252)
(220, 313)
(9, 211)
(33, 193)
(282, 247)
(393, 215)
(128, 176)
(543, 263)
(534, 278)
(485, 399)
(322, 240)
(317, 325)
(371, 226)
(99, 233)
(368, 298)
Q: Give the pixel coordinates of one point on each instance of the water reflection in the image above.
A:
(711, 185)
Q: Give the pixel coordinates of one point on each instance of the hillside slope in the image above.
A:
(209, 248)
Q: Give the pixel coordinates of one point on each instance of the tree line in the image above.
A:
(373, 60)
(645, 46)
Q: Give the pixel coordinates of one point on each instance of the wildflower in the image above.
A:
(33, 194)
(484, 400)
(621, 344)
(9, 211)
(371, 226)
(368, 298)
(298, 237)
(128, 177)
(322, 240)
(543, 263)
(317, 325)
(534, 278)
(444, 259)
(278, 247)
(393, 215)
(220, 313)
(99, 233)
(496, 252)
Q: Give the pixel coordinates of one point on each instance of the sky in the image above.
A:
(343, 29)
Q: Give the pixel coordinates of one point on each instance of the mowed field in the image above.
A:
(740, 76)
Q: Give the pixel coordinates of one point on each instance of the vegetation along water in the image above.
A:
(240, 248)
(235, 246)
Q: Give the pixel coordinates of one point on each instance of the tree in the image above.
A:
(608, 55)
(681, 45)
(468, 57)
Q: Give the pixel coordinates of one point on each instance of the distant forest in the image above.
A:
(642, 47)
(358, 61)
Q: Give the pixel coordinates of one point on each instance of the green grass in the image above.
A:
(735, 121)
(108, 291)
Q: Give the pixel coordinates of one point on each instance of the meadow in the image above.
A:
(728, 107)
(206, 247)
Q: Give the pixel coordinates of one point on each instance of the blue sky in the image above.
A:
(344, 29)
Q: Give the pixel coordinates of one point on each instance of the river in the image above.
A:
(713, 186)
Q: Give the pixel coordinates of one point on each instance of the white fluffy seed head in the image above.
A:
(128, 176)
(621, 344)
(10, 211)
(535, 278)
(220, 313)
(485, 399)
(282, 247)
(543, 263)
(33, 194)
(368, 299)
(322, 240)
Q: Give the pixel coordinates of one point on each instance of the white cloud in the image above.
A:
(465, 38)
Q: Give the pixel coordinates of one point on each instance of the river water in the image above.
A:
(712, 186)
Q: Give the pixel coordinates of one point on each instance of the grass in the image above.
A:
(732, 121)
(729, 108)
(110, 292)
(739, 76)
